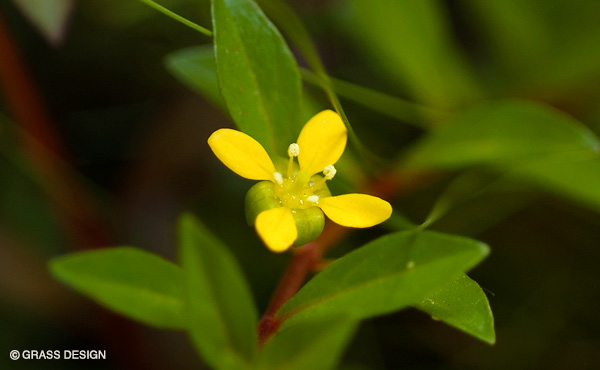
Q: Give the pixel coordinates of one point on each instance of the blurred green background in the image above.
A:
(134, 146)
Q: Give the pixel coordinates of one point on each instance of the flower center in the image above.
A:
(298, 190)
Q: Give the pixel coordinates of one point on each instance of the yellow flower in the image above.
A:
(298, 189)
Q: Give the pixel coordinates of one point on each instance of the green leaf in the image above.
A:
(257, 73)
(294, 29)
(576, 177)
(518, 47)
(220, 311)
(539, 48)
(386, 275)
(315, 345)
(48, 16)
(500, 133)
(130, 281)
(412, 42)
(195, 67)
(464, 305)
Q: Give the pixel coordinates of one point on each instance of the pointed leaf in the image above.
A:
(130, 281)
(464, 305)
(386, 275)
(50, 17)
(315, 345)
(257, 74)
(220, 311)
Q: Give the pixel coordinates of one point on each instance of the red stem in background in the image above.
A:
(70, 203)
(73, 207)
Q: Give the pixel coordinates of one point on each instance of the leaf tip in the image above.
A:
(483, 249)
(186, 220)
(489, 338)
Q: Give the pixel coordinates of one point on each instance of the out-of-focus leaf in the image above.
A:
(386, 275)
(471, 216)
(514, 31)
(315, 345)
(464, 305)
(576, 177)
(257, 73)
(412, 41)
(220, 312)
(24, 208)
(542, 49)
(399, 222)
(130, 281)
(294, 29)
(50, 17)
(195, 67)
(500, 133)
(463, 187)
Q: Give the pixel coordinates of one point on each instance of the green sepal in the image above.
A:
(260, 197)
(310, 223)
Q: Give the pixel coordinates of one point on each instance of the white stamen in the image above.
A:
(293, 150)
(329, 172)
(313, 198)
(278, 178)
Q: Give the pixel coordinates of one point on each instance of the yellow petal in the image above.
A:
(277, 228)
(322, 142)
(242, 154)
(356, 210)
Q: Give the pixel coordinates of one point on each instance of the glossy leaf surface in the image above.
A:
(464, 305)
(386, 275)
(257, 73)
(133, 282)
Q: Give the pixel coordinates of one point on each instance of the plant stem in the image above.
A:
(308, 258)
(409, 112)
(304, 261)
(178, 18)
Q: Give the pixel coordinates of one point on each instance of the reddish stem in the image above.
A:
(308, 258)
(303, 262)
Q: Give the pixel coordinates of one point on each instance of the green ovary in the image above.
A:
(295, 192)
(291, 193)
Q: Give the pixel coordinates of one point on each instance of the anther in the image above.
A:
(313, 199)
(278, 178)
(293, 150)
(329, 172)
